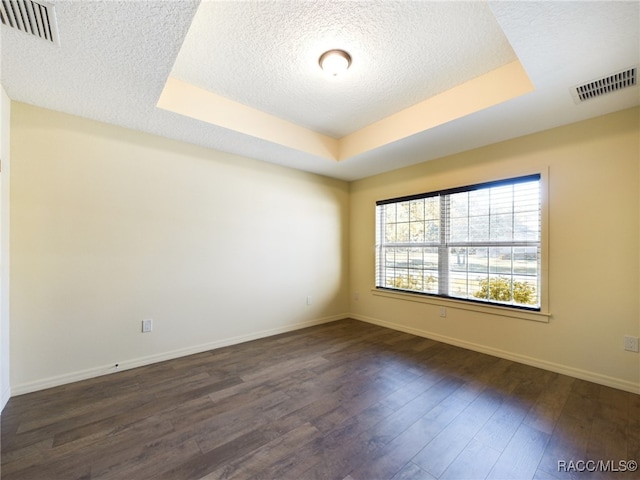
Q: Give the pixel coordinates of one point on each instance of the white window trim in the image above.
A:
(542, 315)
(533, 315)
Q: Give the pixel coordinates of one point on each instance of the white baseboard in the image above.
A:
(142, 361)
(600, 379)
(160, 357)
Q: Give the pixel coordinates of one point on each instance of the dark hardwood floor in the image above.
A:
(345, 400)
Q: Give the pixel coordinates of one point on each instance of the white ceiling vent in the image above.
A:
(602, 86)
(29, 16)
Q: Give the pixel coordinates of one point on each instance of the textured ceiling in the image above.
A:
(115, 59)
(403, 53)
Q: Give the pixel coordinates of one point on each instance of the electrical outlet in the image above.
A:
(356, 296)
(631, 343)
(309, 302)
(147, 325)
(443, 312)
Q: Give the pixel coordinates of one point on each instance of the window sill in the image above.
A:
(462, 305)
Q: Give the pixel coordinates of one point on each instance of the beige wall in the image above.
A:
(111, 226)
(593, 250)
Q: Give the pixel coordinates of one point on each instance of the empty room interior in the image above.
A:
(319, 239)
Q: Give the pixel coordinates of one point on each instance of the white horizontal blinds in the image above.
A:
(408, 242)
(480, 243)
(494, 244)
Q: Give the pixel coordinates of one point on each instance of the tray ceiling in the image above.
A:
(427, 79)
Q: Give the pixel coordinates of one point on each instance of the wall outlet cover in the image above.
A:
(147, 325)
(631, 343)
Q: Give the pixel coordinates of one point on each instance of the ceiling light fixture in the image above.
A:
(335, 62)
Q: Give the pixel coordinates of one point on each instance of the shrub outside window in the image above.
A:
(479, 243)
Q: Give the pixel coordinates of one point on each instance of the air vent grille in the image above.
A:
(612, 83)
(35, 18)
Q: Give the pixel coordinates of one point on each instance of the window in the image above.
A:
(479, 243)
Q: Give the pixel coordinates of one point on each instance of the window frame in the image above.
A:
(538, 313)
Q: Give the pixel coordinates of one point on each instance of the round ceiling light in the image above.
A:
(335, 62)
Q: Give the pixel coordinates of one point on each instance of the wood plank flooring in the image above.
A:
(345, 401)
